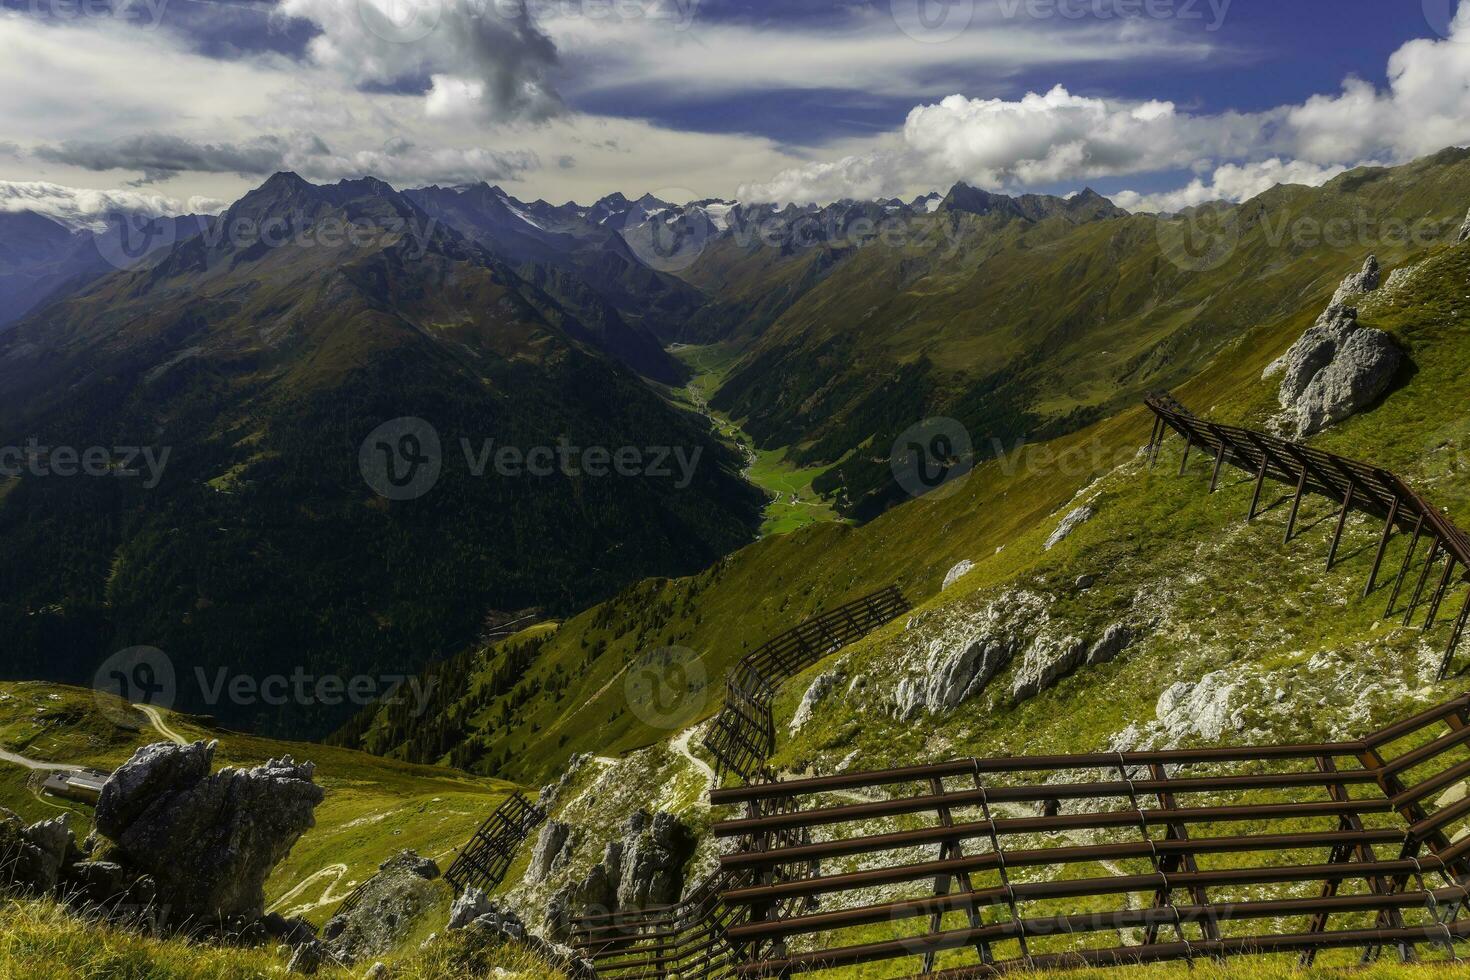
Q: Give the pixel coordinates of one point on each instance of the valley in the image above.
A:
(792, 503)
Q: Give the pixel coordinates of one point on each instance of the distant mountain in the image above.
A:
(260, 354)
(580, 257)
(42, 260)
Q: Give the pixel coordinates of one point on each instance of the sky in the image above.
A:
(168, 106)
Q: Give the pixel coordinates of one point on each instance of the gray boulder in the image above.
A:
(469, 906)
(820, 688)
(391, 904)
(308, 958)
(32, 858)
(1337, 368)
(956, 573)
(1464, 235)
(654, 851)
(1070, 523)
(208, 841)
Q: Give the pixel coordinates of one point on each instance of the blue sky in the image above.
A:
(171, 104)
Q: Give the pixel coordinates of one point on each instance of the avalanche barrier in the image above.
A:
(1352, 485)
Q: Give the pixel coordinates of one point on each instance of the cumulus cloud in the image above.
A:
(1231, 182)
(1061, 137)
(85, 208)
(491, 55)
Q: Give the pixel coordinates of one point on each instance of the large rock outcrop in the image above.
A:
(553, 850)
(477, 916)
(654, 851)
(1464, 235)
(1338, 367)
(962, 656)
(391, 904)
(33, 858)
(208, 841)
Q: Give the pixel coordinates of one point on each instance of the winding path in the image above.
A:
(155, 718)
(680, 745)
(334, 871)
(21, 760)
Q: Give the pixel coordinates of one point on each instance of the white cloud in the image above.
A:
(1231, 182)
(488, 50)
(1060, 137)
(81, 208)
(866, 53)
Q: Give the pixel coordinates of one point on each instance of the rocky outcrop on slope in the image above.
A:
(1046, 661)
(959, 571)
(208, 841)
(654, 851)
(642, 869)
(964, 656)
(1355, 285)
(553, 850)
(820, 688)
(391, 903)
(32, 858)
(1338, 367)
(955, 656)
(1070, 523)
(1464, 235)
(486, 922)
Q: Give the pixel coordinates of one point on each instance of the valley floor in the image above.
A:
(793, 504)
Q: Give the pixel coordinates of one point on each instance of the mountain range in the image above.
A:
(264, 346)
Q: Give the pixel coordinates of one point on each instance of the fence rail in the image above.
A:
(485, 859)
(743, 735)
(1354, 486)
(977, 867)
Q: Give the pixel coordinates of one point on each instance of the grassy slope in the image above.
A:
(373, 808)
(1030, 326)
(39, 941)
(1014, 503)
